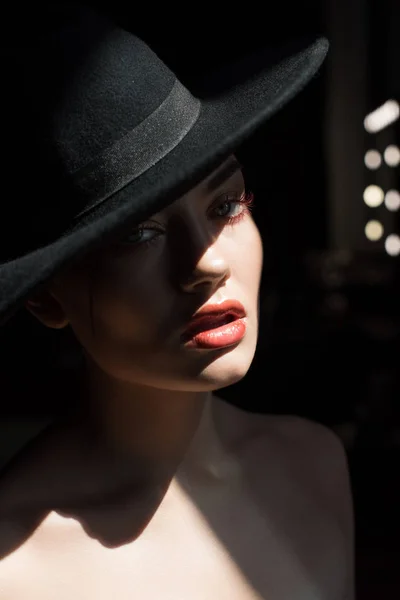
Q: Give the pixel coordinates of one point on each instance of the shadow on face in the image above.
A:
(129, 302)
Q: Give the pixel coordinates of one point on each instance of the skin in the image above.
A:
(157, 486)
(146, 390)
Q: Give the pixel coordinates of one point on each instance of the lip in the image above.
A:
(216, 325)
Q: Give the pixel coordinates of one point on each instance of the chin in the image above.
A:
(228, 368)
(193, 371)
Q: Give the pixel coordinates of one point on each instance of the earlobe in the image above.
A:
(47, 310)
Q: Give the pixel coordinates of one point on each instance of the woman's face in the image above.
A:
(130, 303)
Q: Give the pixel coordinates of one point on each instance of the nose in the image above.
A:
(211, 271)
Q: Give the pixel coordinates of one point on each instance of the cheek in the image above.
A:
(247, 257)
(124, 301)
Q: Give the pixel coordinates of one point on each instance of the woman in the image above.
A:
(142, 243)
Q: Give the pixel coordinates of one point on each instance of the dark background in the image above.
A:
(329, 338)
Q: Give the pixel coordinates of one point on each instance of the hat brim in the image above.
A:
(224, 123)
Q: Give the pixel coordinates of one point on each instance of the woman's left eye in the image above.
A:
(234, 208)
(229, 208)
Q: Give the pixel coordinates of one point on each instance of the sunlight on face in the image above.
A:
(129, 303)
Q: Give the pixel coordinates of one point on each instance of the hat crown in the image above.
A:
(76, 84)
(86, 82)
(99, 134)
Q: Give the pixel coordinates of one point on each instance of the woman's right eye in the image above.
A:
(141, 235)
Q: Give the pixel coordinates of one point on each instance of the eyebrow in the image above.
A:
(223, 174)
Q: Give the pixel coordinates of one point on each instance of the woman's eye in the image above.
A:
(229, 208)
(233, 209)
(141, 235)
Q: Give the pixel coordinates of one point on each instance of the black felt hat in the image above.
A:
(98, 134)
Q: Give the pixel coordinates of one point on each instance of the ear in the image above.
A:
(47, 309)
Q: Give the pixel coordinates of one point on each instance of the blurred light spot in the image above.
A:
(392, 200)
(382, 117)
(373, 196)
(392, 156)
(372, 159)
(374, 230)
(392, 245)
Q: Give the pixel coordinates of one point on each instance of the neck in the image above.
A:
(153, 429)
(110, 466)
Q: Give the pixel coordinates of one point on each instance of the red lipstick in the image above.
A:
(216, 326)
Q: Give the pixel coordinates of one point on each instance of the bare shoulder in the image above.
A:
(301, 435)
(289, 434)
(306, 435)
(314, 456)
(317, 455)
(303, 441)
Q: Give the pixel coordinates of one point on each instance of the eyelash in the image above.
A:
(246, 201)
